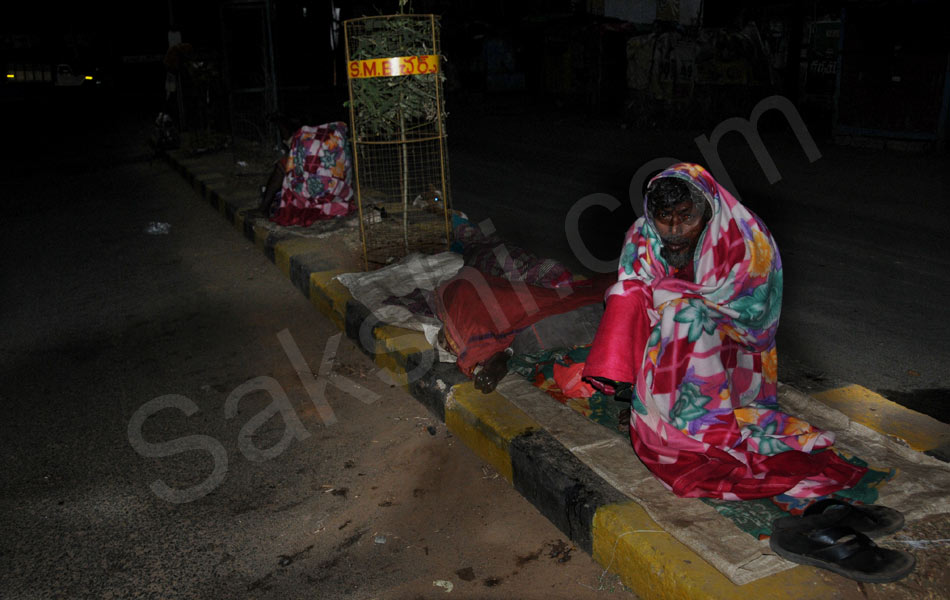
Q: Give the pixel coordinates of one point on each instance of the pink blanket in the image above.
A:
(700, 352)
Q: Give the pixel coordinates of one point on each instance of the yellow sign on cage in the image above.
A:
(393, 67)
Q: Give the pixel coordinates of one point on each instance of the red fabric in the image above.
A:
(617, 350)
(704, 415)
(708, 471)
(482, 314)
(569, 380)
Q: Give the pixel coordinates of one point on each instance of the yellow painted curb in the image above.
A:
(215, 197)
(656, 566)
(287, 249)
(222, 205)
(239, 221)
(401, 340)
(393, 347)
(399, 343)
(486, 423)
(921, 432)
(395, 372)
(329, 296)
(260, 236)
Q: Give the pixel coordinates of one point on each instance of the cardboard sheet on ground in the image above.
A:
(422, 271)
(920, 486)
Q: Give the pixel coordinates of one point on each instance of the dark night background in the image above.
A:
(551, 101)
(563, 54)
(548, 103)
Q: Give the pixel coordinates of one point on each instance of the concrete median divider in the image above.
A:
(617, 532)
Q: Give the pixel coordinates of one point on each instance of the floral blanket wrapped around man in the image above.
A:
(697, 345)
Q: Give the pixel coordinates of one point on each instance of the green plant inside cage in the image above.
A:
(401, 109)
(387, 106)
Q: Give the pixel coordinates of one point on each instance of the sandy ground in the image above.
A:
(399, 508)
(101, 317)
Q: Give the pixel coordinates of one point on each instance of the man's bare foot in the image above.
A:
(492, 371)
(623, 420)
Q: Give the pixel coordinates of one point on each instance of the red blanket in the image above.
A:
(482, 314)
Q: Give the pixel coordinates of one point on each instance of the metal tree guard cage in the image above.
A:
(397, 119)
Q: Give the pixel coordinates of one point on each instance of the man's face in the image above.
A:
(679, 229)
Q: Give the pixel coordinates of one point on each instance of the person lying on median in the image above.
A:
(689, 333)
(486, 319)
(506, 300)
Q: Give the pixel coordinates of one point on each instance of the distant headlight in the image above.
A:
(11, 76)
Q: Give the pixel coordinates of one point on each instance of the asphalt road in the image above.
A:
(128, 471)
(101, 319)
(862, 232)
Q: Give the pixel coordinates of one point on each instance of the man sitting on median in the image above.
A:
(688, 335)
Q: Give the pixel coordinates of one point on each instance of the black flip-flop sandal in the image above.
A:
(871, 520)
(841, 550)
